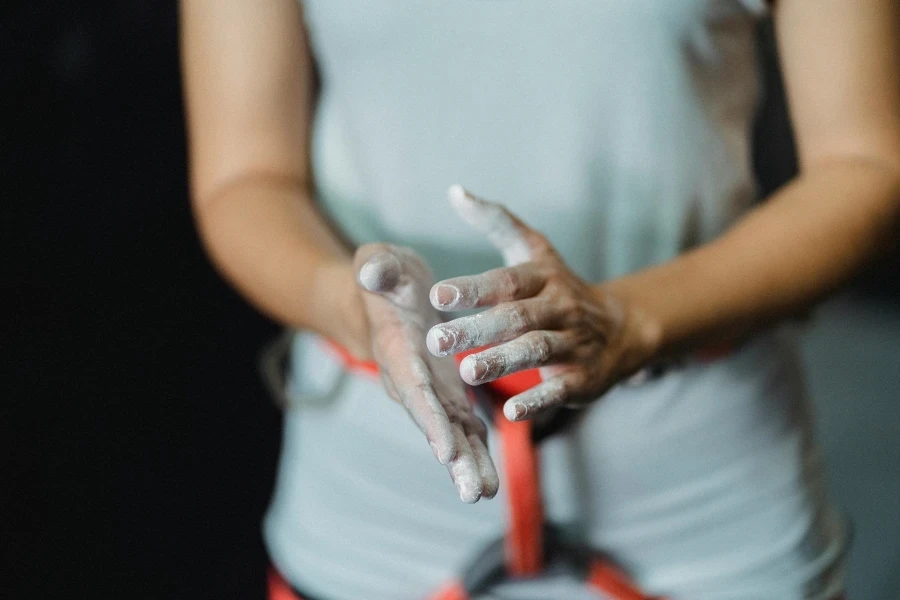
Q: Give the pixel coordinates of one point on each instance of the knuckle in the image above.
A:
(576, 384)
(495, 362)
(551, 397)
(470, 291)
(512, 283)
(584, 353)
(564, 389)
(538, 242)
(519, 318)
(567, 305)
(541, 347)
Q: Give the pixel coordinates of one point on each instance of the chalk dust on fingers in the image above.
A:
(429, 415)
(464, 469)
(528, 351)
(492, 220)
(487, 289)
(445, 296)
(499, 324)
(490, 480)
(546, 395)
(381, 273)
(440, 340)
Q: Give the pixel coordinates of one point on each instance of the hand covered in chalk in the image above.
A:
(399, 315)
(543, 316)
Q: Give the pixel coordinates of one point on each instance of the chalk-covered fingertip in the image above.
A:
(433, 297)
(457, 193)
(381, 272)
(468, 371)
(469, 491)
(434, 339)
(444, 296)
(514, 411)
(491, 487)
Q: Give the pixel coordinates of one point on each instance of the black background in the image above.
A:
(137, 446)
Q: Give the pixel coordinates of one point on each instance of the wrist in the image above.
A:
(639, 336)
(340, 312)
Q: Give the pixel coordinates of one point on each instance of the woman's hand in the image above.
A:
(395, 298)
(583, 339)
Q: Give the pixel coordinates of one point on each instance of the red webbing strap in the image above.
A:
(505, 387)
(524, 540)
(351, 363)
(525, 537)
(279, 589)
(455, 590)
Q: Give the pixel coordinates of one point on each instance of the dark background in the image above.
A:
(137, 445)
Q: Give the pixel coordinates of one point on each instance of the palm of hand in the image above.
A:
(429, 387)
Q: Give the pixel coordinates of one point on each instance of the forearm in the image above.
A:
(803, 243)
(266, 236)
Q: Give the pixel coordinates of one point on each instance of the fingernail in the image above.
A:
(469, 496)
(381, 273)
(479, 369)
(469, 490)
(446, 295)
(368, 276)
(514, 412)
(440, 341)
(473, 370)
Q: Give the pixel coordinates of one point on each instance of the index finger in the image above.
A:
(489, 288)
(504, 230)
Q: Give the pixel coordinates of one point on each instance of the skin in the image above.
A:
(428, 387)
(249, 93)
(542, 316)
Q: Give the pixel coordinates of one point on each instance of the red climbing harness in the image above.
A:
(529, 543)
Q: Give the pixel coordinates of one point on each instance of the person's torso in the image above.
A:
(704, 484)
(619, 129)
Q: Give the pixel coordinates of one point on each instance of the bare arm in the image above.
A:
(842, 65)
(248, 79)
(249, 90)
(841, 60)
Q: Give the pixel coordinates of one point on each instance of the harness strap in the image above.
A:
(455, 590)
(279, 589)
(526, 540)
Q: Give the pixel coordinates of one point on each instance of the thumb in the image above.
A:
(516, 241)
(377, 269)
(391, 272)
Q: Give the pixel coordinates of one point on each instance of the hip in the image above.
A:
(704, 483)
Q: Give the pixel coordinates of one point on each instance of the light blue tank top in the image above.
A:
(620, 129)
